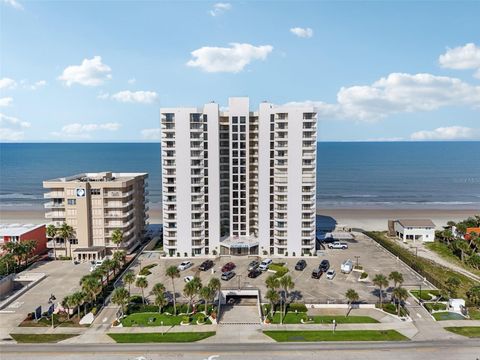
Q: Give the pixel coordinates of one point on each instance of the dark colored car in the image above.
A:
(325, 265)
(207, 264)
(301, 264)
(254, 273)
(228, 275)
(228, 266)
(253, 265)
(317, 273)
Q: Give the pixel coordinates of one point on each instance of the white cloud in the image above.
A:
(399, 93)
(132, 81)
(84, 131)
(220, 8)
(92, 72)
(11, 128)
(151, 134)
(6, 101)
(14, 3)
(462, 58)
(228, 59)
(37, 85)
(302, 32)
(447, 133)
(7, 83)
(142, 97)
(8, 121)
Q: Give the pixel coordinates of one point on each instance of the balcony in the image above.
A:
(117, 204)
(55, 215)
(118, 224)
(118, 194)
(56, 245)
(117, 214)
(54, 195)
(53, 205)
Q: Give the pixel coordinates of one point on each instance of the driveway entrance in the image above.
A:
(239, 307)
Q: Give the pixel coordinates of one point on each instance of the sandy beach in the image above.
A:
(368, 219)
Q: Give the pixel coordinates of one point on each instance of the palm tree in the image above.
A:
(91, 286)
(158, 291)
(66, 303)
(172, 272)
(452, 285)
(120, 297)
(273, 297)
(76, 300)
(108, 266)
(129, 279)
(216, 285)
(142, 283)
(462, 247)
(115, 266)
(286, 283)
(160, 300)
(191, 290)
(400, 295)
(117, 237)
(52, 233)
(66, 232)
(29, 247)
(207, 294)
(381, 281)
(272, 282)
(13, 249)
(351, 296)
(473, 294)
(120, 256)
(396, 277)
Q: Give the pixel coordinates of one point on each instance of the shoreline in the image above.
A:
(368, 219)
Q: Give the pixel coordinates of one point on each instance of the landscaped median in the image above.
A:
(171, 337)
(303, 318)
(469, 331)
(40, 338)
(342, 335)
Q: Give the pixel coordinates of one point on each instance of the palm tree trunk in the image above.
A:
(174, 299)
(143, 297)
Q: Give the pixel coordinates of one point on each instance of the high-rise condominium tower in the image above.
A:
(239, 181)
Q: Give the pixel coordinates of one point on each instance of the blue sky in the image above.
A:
(100, 71)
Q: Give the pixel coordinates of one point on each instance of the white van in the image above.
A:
(346, 267)
(265, 264)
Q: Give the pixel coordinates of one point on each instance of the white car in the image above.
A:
(188, 278)
(346, 267)
(331, 274)
(184, 265)
(265, 264)
(338, 245)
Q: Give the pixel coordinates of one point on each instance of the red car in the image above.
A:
(228, 267)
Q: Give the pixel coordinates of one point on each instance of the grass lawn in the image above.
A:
(158, 337)
(292, 318)
(446, 315)
(474, 313)
(327, 335)
(41, 338)
(445, 252)
(58, 320)
(432, 306)
(425, 294)
(142, 319)
(469, 331)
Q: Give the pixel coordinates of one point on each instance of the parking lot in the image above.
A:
(62, 278)
(371, 256)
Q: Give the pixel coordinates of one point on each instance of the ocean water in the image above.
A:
(349, 175)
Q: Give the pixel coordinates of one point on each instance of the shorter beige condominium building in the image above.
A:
(95, 205)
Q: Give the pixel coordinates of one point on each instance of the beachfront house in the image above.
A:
(414, 229)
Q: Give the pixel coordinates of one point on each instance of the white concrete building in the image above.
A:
(239, 181)
(415, 229)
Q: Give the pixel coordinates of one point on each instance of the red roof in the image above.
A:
(475, 230)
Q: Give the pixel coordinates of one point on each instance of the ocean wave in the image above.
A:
(20, 196)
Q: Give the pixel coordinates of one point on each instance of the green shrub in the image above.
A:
(292, 307)
(364, 275)
(435, 307)
(145, 271)
(279, 269)
(186, 319)
(136, 299)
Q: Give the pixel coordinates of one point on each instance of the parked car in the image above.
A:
(184, 265)
(301, 264)
(95, 264)
(338, 245)
(325, 265)
(254, 273)
(253, 265)
(265, 264)
(207, 264)
(228, 267)
(331, 274)
(188, 278)
(317, 273)
(347, 266)
(228, 275)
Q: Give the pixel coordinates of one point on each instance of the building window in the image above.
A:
(95, 191)
(72, 202)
